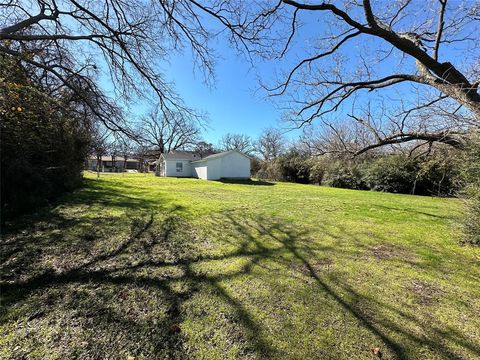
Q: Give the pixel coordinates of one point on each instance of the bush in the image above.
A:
(294, 167)
(437, 175)
(394, 173)
(269, 171)
(43, 146)
(470, 179)
(317, 171)
(343, 175)
(431, 175)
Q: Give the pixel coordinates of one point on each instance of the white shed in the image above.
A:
(229, 164)
(176, 164)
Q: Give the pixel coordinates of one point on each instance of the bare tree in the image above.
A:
(238, 142)
(270, 144)
(204, 148)
(340, 139)
(126, 146)
(388, 49)
(99, 145)
(70, 43)
(354, 53)
(169, 132)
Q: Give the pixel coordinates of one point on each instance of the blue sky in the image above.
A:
(235, 103)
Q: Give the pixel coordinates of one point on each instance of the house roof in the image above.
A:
(181, 155)
(214, 156)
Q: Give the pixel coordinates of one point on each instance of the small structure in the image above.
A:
(229, 165)
(109, 164)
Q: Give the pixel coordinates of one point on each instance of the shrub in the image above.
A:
(470, 178)
(294, 167)
(317, 171)
(394, 173)
(269, 171)
(43, 146)
(343, 175)
(437, 174)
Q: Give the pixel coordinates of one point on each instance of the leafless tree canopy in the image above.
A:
(169, 132)
(420, 57)
(72, 44)
(204, 148)
(346, 59)
(239, 142)
(270, 144)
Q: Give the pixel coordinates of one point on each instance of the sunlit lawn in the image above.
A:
(162, 268)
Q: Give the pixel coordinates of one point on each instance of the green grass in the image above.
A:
(135, 266)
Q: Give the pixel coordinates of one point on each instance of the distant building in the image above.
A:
(229, 164)
(108, 165)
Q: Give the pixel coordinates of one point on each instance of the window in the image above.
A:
(179, 167)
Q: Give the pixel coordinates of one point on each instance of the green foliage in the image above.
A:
(294, 167)
(434, 174)
(470, 178)
(270, 171)
(394, 173)
(317, 171)
(344, 174)
(42, 144)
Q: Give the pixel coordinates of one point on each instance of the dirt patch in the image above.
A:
(316, 266)
(386, 252)
(425, 293)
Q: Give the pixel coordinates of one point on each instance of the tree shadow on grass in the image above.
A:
(254, 182)
(131, 294)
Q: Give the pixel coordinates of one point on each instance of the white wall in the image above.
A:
(214, 168)
(208, 169)
(235, 165)
(199, 170)
(171, 168)
(231, 165)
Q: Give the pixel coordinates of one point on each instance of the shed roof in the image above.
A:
(214, 156)
(181, 155)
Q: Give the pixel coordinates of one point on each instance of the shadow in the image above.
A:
(413, 212)
(254, 182)
(151, 284)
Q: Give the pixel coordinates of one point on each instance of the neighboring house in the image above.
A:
(229, 164)
(107, 165)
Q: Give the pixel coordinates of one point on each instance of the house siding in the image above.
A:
(171, 168)
(228, 165)
(232, 165)
(200, 170)
(235, 166)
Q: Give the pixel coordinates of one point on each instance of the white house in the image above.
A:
(229, 164)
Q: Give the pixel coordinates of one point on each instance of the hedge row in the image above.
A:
(398, 173)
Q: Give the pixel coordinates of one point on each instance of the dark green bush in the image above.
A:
(434, 173)
(394, 173)
(318, 169)
(431, 175)
(43, 146)
(470, 179)
(344, 174)
(294, 167)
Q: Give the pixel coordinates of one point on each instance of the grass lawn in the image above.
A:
(139, 267)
